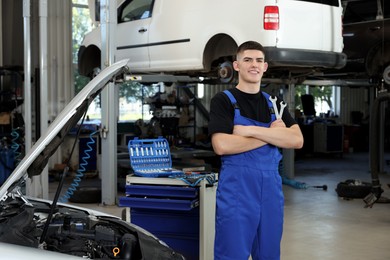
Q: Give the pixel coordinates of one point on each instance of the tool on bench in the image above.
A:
(278, 113)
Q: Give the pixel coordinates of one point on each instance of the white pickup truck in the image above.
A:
(199, 38)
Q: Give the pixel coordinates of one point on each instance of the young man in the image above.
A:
(247, 135)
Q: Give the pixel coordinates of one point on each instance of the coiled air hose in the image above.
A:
(82, 168)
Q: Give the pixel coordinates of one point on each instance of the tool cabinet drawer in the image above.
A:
(158, 203)
(160, 197)
(162, 191)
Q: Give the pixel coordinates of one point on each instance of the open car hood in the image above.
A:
(36, 159)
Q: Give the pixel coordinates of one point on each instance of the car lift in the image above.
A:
(167, 78)
(376, 152)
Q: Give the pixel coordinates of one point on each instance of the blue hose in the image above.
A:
(294, 183)
(80, 172)
(290, 182)
(15, 146)
(194, 179)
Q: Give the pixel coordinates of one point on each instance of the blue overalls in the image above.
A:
(249, 219)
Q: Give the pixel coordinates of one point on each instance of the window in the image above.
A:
(134, 101)
(135, 10)
(131, 94)
(325, 98)
(81, 24)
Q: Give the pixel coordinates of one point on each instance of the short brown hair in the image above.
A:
(250, 45)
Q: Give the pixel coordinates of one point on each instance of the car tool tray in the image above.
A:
(151, 158)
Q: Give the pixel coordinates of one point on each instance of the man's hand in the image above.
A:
(247, 131)
(278, 123)
(241, 130)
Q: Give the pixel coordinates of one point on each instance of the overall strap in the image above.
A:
(233, 101)
(237, 109)
(270, 105)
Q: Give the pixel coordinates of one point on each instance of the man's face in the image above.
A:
(250, 66)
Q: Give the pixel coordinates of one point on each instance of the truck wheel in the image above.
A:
(386, 75)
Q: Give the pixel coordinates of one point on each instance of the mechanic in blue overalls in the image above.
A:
(245, 132)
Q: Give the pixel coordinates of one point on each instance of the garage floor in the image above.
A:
(321, 225)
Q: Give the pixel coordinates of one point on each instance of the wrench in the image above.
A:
(278, 113)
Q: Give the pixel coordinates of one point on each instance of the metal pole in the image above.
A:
(27, 75)
(288, 154)
(38, 187)
(110, 101)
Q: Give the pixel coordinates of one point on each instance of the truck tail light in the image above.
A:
(271, 17)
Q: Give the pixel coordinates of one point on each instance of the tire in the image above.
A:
(86, 195)
(386, 74)
(353, 189)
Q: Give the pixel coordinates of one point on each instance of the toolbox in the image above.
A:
(151, 158)
(168, 208)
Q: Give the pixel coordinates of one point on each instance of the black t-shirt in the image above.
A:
(253, 106)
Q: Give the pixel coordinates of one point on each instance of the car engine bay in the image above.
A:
(76, 232)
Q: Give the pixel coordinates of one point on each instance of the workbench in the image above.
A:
(207, 201)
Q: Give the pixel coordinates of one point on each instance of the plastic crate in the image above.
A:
(151, 158)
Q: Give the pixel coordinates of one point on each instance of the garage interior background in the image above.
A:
(47, 27)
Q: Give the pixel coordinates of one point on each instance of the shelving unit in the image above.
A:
(328, 138)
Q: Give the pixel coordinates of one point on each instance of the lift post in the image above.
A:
(375, 151)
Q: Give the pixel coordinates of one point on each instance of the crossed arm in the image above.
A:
(246, 138)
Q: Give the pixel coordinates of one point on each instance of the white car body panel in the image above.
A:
(16, 252)
(175, 37)
(139, 34)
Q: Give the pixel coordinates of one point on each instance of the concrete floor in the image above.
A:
(319, 224)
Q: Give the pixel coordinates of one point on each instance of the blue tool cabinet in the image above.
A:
(180, 215)
(169, 212)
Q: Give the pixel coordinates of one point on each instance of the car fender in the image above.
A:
(11, 251)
